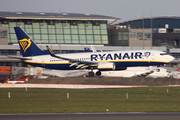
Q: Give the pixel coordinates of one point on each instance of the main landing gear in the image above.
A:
(91, 73)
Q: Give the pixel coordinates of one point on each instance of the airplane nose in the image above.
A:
(170, 58)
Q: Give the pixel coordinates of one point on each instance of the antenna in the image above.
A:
(143, 31)
(151, 31)
(51, 29)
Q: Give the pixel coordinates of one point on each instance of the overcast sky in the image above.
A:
(124, 9)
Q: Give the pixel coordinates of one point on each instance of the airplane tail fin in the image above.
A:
(27, 46)
(86, 49)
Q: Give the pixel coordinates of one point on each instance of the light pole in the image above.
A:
(40, 43)
(138, 28)
(143, 31)
(151, 31)
(137, 16)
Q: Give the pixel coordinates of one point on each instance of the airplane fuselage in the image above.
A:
(128, 58)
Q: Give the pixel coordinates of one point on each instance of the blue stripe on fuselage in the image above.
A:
(131, 64)
(118, 64)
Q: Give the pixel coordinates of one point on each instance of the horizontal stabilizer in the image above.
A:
(21, 58)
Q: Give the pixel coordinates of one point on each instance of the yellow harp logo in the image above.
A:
(25, 44)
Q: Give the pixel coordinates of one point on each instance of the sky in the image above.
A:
(124, 9)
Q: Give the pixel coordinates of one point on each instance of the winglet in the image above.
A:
(50, 51)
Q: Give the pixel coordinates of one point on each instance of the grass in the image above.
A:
(154, 99)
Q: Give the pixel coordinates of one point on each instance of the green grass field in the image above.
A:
(154, 99)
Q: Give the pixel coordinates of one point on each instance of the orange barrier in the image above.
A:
(5, 69)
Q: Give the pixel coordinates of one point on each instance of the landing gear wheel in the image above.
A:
(98, 73)
(91, 74)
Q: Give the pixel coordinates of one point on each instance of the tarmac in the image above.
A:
(108, 81)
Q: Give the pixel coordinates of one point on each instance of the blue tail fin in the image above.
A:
(27, 46)
(86, 49)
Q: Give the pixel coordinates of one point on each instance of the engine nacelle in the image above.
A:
(106, 66)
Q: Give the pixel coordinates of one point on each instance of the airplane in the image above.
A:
(103, 61)
(139, 72)
(161, 73)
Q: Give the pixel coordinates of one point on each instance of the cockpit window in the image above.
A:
(163, 53)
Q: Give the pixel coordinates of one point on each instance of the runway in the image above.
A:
(94, 116)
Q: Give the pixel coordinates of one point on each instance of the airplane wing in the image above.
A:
(21, 58)
(79, 63)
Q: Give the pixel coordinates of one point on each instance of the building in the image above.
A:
(130, 37)
(55, 28)
(165, 30)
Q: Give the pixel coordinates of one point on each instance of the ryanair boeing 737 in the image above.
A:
(103, 61)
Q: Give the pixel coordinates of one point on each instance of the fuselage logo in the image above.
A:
(25, 44)
(147, 54)
(119, 56)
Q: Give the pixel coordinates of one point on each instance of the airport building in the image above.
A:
(55, 28)
(158, 31)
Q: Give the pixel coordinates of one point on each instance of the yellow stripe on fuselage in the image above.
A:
(104, 67)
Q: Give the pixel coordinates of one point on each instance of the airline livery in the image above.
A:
(103, 61)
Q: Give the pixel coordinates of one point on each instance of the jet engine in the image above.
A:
(106, 66)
